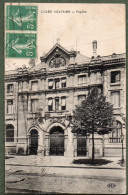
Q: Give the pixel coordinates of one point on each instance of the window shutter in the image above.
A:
(50, 101)
(115, 99)
(84, 79)
(50, 83)
(63, 80)
(63, 102)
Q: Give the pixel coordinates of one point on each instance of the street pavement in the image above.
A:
(47, 175)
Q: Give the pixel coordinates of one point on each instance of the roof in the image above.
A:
(80, 59)
(114, 56)
(60, 47)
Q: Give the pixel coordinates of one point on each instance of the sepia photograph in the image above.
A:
(65, 98)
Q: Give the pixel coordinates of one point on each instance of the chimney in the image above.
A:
(94, 44)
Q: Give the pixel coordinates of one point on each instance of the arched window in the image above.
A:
(9, 133)
(115, 135)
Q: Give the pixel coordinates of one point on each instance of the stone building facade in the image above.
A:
(39, 102)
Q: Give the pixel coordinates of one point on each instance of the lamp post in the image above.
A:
(122, 159)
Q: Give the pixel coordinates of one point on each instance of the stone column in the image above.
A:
(70, 149)
(65, 144)
(46, 145)
(75, 146)
(40, 144)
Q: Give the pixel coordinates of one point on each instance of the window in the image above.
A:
(115, 135)
(115, 99)
(9, 133)
(81, 98)
(34, 85)
(63, 82)
(57, 83)
(50, 104)
(63, 103)
(56, 104)
(34, 105)
(10, 106)
(82, 79)
(10, 88)
(50, 84)
(115, 77)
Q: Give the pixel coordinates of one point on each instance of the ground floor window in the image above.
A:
(33, 141)
(9, 133)
(115, 135)
(81, 145)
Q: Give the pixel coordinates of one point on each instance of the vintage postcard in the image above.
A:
(65, 98)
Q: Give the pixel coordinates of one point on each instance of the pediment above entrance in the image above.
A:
(58, 57)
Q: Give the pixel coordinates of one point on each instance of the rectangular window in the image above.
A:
(81, 98)
(63, 103)
(82, 79)
(56, 104)
(50, 84)
(115, 99)
(50, 104)
(34, 105)
(63, 82)
(115, 77)
(10, 106)
(57, 83)
(34, 85)
(10, 88)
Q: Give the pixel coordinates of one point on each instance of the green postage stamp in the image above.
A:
(21, 17)
(21, 45)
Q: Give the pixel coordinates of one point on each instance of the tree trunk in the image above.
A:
(93, 148)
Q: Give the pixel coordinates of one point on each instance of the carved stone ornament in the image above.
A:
(57, 61)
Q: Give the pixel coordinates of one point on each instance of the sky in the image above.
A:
(76, 31)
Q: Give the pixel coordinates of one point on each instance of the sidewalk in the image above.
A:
(59, 161)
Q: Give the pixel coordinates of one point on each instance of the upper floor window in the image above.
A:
(50, 84)
(115, 77)
(34, 105)
(115, 135)
(63, 103)
(9, 133)
(34, 85)
(50, 104)
(57, 83)
(81, 98)
(115, 98)
(10, 106)
(82, 79)
(57, 104)
(10, 88)
(63, 82)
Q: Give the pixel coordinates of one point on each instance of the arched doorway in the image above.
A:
(57, 141)
(33, 141)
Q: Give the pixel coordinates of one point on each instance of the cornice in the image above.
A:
(71, 69)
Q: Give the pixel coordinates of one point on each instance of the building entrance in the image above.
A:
(33, 142)
(57, 141)
(81, 146)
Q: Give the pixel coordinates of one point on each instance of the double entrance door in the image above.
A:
(57, 141)
(57, 145)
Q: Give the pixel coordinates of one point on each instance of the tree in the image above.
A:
(93, 115)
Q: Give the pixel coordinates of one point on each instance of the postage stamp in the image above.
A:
(21, 45)
(21, 17)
